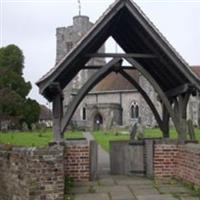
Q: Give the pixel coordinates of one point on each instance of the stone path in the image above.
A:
(130, 188)
(103, 157)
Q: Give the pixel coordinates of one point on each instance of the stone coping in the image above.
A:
(83, 142)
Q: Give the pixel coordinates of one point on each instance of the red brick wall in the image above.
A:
(164, 161)
(77, 161)
(181, 161)
(188, 163)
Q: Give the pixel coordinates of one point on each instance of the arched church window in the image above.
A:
(84, 113)
(134, 110)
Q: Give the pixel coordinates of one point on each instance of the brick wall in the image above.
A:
(180, 161)
(38, 173)
(77, 160)
(188, 163)
(164, 161)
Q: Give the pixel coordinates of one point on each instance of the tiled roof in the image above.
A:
(196, 70)
(115, 81)
(45, 113)
(118, 82)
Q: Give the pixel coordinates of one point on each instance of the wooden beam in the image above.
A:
(99, 67)
(164, 46)
(98, 76)
(120, 55)
(157, 88)
(178, 90)
(146, 97)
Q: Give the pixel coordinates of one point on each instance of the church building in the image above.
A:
(114, 101)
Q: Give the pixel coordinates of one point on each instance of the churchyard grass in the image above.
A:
(103, 138)
(34, 138)
(42, 138)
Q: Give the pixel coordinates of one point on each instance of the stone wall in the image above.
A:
(180, 161)
(39, 173)
(30, 173)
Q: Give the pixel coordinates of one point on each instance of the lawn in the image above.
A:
(40, 139)
(103, 138)
(33, 139)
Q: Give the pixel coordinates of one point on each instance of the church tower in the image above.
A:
(67, 38)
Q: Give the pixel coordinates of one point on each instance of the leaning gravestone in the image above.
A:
(133, 131)
(140, 131)
(191, 130)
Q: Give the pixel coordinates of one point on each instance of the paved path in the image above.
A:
(130, 188)
(103, 157)
(126, 188)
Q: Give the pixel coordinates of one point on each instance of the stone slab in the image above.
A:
(145, 191)
(134, 182)
(92, 197)
(118, 195)
(156, 197)
(173, 189)
(135, 187)
(116, 188)
(190, 198)
(108, 181)
(80, 190)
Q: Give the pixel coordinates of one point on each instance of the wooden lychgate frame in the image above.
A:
(146, 50)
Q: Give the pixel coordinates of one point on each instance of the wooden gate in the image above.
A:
(134, 158)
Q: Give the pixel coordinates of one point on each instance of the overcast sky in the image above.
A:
(31, 25)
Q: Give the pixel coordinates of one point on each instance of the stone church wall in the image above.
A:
(127, 100)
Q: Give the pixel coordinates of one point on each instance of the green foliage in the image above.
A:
(103, 138)
(69, 184)
(10, 79)
(10, 104)
(34, 138)
(11, 58)
(91, 189)
(31, 112)
(14, 106)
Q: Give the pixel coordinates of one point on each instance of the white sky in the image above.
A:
(31, 25)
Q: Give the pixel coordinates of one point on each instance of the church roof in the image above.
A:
(196, 70)
(45, 113)
(115, 81)
(136, 34)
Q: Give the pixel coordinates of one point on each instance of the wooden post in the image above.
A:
(180, 110)
(57, 117)
(166, 116)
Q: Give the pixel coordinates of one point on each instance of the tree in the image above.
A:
(10, 107)
(14, 89)
(11, 58)
(31, 112)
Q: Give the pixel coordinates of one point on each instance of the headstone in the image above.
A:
(133, 131)
(140, 131)
(191, 130)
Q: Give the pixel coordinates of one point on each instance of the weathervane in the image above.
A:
(79, 7)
